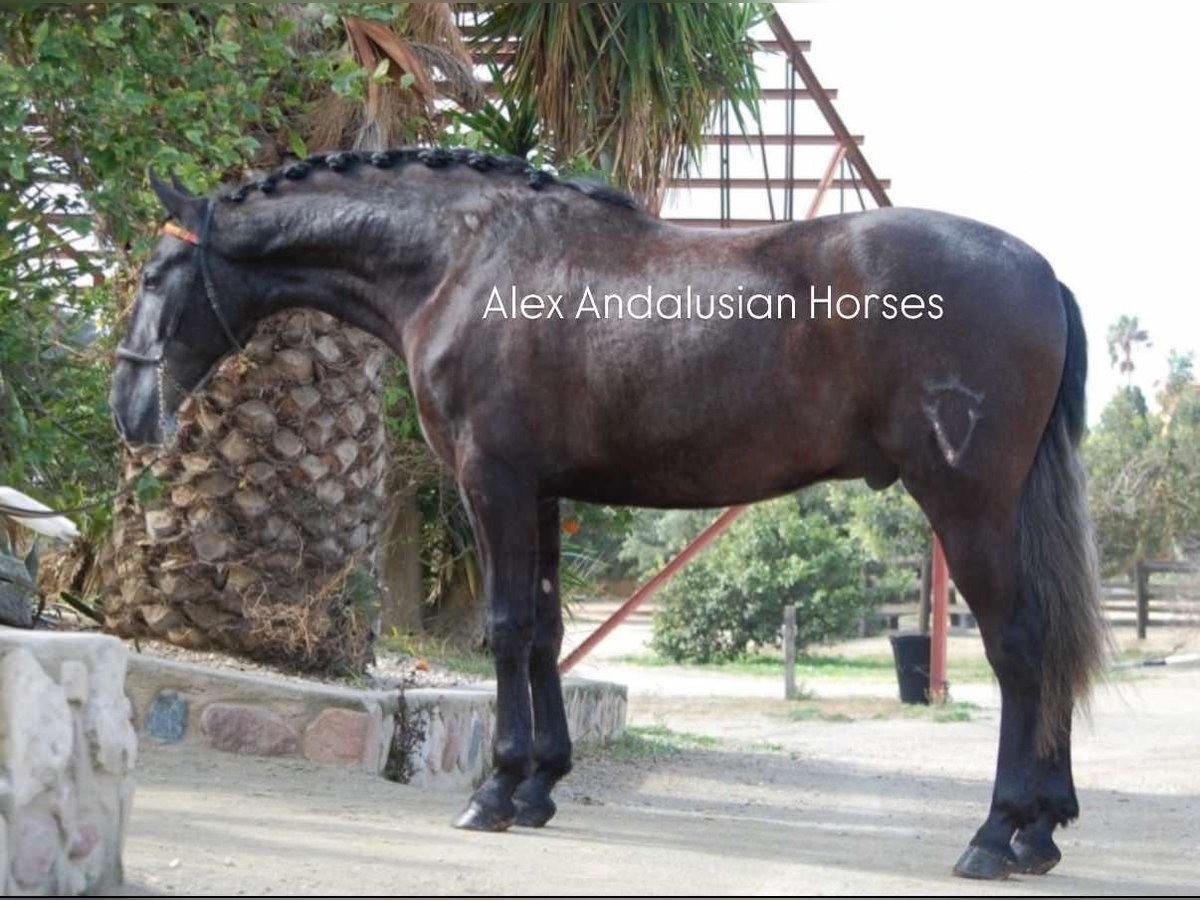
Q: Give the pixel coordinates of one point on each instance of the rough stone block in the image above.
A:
(248, 730)
(35, 723)
(35, 850)
(338, 737)
(166, 719)
(66, 748)
(73, 677)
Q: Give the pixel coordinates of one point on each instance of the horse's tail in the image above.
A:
(1058, 557)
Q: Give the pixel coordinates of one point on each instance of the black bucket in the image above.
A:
(912, 666)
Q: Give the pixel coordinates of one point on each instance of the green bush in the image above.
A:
(788, 551)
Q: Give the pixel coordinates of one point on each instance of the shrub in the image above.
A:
(787, 551)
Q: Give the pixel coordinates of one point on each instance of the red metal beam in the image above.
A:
(939, 620)
(762, 183)
(787, 94)
(795, 52)
(506, 47)
(826, 180)
(767, 94)
(706, 537)
(722, 223)
(778, 140)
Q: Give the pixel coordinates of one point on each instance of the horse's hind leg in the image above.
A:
(1033, 791)
(551, 742)
(504, 515)
(984, 565)
(1034, 844)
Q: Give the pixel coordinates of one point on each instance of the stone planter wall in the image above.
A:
(435, 738)
(67, 750)
(453, 728)
(177, 703)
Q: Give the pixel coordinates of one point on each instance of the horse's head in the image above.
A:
(180, 327)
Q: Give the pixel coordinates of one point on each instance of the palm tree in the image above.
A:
(628, 87)
(261, 538)
(1123, 336)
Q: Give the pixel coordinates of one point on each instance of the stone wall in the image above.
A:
(67, 750)
(453, 728)
(177, 703)
(437, 738)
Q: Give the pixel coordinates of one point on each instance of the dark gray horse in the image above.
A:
(883, 345)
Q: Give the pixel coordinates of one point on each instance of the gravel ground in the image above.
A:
(390, 670)
(774, 806)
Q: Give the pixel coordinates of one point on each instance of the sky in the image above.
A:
(1074, 126)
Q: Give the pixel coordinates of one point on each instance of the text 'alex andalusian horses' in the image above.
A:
(711, 368)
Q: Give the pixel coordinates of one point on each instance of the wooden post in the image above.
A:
(926, 593)
(789, 652)
(1142, 577)
(939, 617)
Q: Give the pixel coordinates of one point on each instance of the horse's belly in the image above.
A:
(755, 459)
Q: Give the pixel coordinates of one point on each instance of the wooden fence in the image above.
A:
(1176, 604)
(1137, 602)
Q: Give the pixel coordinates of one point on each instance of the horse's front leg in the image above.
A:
(503, 510)
(551, 742)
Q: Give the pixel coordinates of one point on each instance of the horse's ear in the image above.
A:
(183, 206)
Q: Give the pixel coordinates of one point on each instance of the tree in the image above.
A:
(1123, 336)
(731, 598)
(255, 533)
(628, 87)
(1144, 472)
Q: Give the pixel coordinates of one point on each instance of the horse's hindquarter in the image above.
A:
(963, 397)
(701, 411)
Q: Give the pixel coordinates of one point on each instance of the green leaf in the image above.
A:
(149, 489)
(381, 72)
(94, 611)
(81, 225)
(297, 145)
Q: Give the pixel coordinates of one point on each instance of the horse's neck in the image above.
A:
(360, 273)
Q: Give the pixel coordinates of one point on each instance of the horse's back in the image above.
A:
(706, 412)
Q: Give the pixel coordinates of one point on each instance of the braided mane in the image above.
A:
(434, 158)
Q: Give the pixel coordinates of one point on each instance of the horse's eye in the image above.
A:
(150, 281)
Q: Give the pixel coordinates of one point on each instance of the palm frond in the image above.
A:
(630, 86)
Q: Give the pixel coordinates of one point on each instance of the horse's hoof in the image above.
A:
(984, 864)
(1035, 858)
(534, 814)
(477, 817)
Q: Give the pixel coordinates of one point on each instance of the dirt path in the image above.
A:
(872, 806)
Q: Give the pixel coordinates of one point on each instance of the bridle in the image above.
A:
(201, 243)
(155, 359)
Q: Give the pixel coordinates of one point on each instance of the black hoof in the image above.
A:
(535, 813)
(1036, 857)
(477, 817)
(984, 864)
